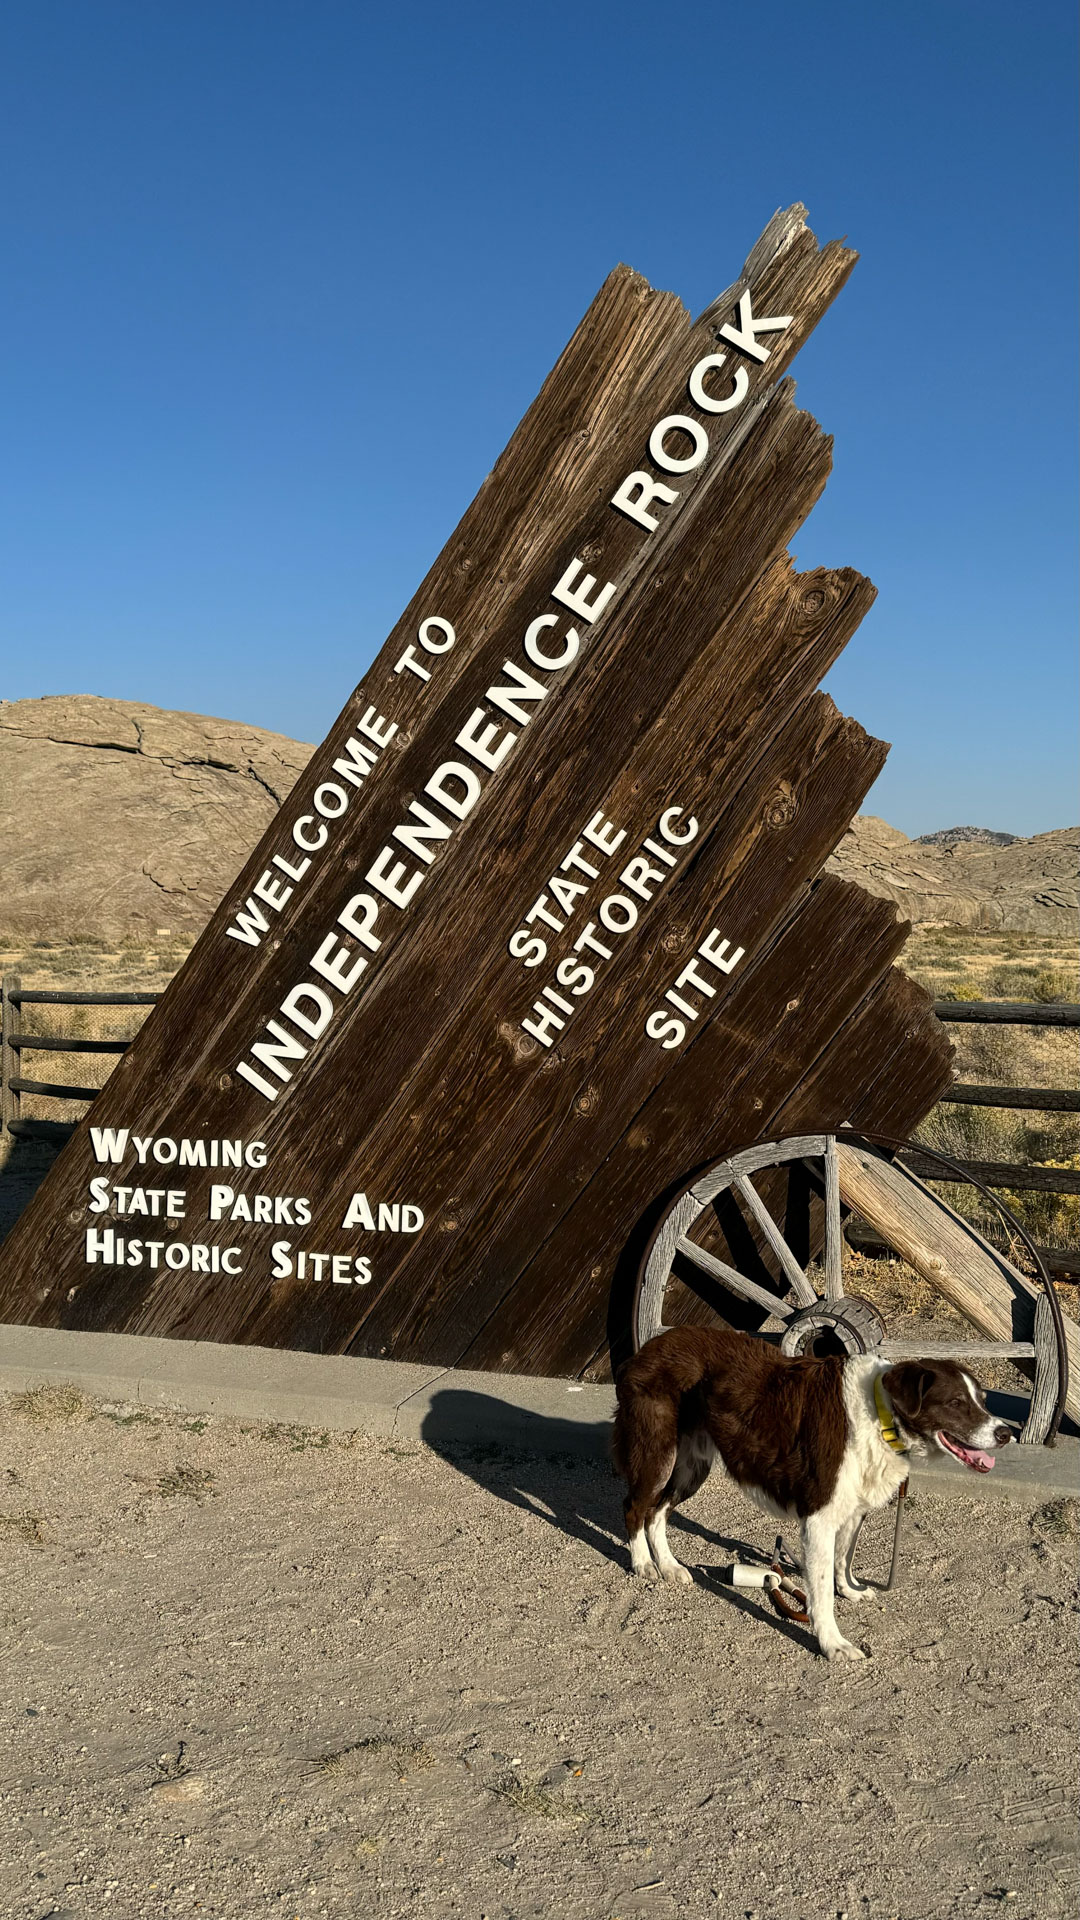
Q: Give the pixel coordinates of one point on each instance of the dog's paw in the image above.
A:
(645, 1571)
(847, 1592)
(677, 1575)
(843, 1650)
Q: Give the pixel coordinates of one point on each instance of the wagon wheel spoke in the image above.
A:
(834, 1246)
(707, 1275)
(742, 1249)
(793, 1273)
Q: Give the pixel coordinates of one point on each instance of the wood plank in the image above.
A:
(55, 1043)
(1003, 1013)
(1020, 1099)
(9, 1099)
(332, 1082)
(976, 1279)
(55, 1133)
(996, 1173)
(60, 997)
(1062, 1262)
(51, 1089)
(974, 1349)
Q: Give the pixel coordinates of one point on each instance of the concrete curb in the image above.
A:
(437, 1405)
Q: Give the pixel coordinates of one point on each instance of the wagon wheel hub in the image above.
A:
(848, 1324)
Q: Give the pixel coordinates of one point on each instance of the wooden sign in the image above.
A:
(540, 926)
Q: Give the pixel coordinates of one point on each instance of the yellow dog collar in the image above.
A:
(887, 1419)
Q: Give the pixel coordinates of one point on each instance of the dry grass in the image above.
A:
(187, 1483)
(405, 1756)
(957, 964)
(534, 1801)
(50, 1403)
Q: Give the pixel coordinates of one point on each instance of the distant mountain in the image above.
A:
(119, 820)
(957, 836)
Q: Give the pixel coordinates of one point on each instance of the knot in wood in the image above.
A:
(781, 807)
(814, 600)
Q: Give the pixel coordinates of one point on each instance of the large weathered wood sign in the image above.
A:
(540, 928)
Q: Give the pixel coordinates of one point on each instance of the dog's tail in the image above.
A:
(652, 1389)
(646, 1430)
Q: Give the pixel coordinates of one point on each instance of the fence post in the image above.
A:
(10, 1101)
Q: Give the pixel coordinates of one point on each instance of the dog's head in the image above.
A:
(938, 1404)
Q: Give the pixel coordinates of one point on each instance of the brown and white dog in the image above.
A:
(824, 1441)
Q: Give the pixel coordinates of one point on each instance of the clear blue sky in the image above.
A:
(282, 275)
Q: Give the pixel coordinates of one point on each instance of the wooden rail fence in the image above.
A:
(1064, 1264)
(14, 1043)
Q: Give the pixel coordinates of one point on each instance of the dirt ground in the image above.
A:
(256, 1670)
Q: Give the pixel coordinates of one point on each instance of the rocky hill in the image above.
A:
(120, 820)
(1026, 886)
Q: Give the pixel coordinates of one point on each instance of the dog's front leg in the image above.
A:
(848, 1589)
(819, 1559)
(667, 1566)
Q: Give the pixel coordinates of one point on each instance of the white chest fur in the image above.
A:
(870, 1471)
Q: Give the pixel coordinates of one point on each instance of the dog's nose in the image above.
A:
(1002, 1435)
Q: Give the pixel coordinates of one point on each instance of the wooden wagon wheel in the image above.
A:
(1017, 1319)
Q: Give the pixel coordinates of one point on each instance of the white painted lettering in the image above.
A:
(678, 423)
(636, 495)
(577, 598)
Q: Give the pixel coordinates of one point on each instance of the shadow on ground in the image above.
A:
(559, 1471)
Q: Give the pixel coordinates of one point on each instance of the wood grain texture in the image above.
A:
(725, 1091)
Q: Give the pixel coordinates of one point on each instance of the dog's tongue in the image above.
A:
(973, 1457)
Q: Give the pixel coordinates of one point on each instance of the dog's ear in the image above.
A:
(907, 1387)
